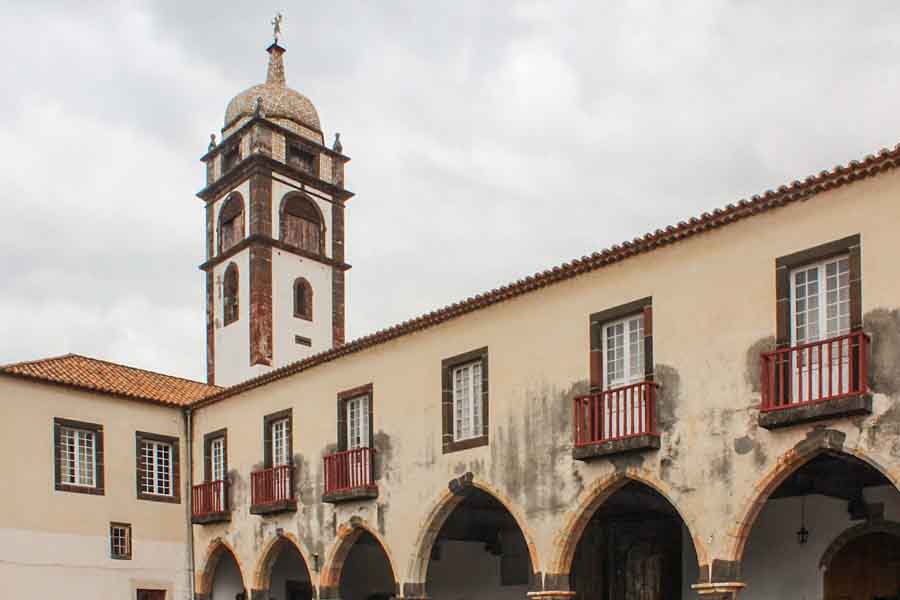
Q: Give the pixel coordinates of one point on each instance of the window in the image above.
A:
(465, 401)
(215, 451)
(230, 295)
(78, 456)
(358, 422)
(818, 299)
(231, 222)
(623, 348)
(622, 345)
(303, 296)
(301, 223)
(158, 467)
(120, 541)
(278, 444)
(301, 159)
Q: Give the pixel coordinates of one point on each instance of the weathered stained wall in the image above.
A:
(55, 543)
(713, 312)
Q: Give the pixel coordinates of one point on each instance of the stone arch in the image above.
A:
(857, 531)
(214, 552)
(577, 519)
(347, 535)
(262, 574)
(442, 508)
(817, 442)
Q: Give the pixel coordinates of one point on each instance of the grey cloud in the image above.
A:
(489, 140)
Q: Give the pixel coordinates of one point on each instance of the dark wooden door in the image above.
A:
(868, 568)
(299, 590)
(151, 595)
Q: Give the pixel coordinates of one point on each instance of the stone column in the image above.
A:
(727, 590)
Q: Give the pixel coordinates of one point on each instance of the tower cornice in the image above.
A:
(256, 164)
(278, 128)
(270, 242)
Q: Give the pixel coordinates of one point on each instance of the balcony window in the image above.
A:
(818, 369)
(272, 488)
(620, 413)
(209, 501)
(350, 472)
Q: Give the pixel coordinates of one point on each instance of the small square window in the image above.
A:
(120, 541)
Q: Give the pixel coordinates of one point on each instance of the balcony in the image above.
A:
(349, 475)
(618, 420)
(272, 490)
(819, 380)
(209, 502)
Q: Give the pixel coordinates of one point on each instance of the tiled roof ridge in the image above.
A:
(20, 370)
(825, 180)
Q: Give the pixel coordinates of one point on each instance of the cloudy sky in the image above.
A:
(489, 140)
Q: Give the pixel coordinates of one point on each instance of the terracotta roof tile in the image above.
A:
(798, 190)
(101, 376)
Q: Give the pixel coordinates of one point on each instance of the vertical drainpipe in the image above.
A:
(189, 438)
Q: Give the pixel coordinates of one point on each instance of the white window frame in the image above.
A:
(823, 329)
(358, 415)
(632, 347)
(468, 400)
(72, 471)
(151, 465)
(217, 458)
(280, 430)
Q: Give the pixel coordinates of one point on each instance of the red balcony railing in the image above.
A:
(815, 372)
(349, 470)
(614, 414)
(272, 486)
(209, 498)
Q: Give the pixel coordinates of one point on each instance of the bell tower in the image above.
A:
(275, 198)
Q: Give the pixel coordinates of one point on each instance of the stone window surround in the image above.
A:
(98, 489)
(448, 444)
(174, 442)
(342, 398)
(128, 541)
(599, 319)
(207, 452)
(230, 316)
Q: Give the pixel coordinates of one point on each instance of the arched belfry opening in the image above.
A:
(824, 531)
(360, 569)
(283, 573)
(635, 546)
(479, 552)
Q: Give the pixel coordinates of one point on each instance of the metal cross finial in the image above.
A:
(276, 25)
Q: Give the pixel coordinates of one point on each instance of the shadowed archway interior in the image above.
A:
(635, 547)
(479, 552)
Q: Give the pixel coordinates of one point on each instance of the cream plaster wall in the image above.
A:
(713, 301)
(56, 544)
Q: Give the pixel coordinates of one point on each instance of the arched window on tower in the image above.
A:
(301, 223)
(230, 295)
(303, 299)
(231, 222)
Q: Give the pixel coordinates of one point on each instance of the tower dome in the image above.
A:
(278, 100)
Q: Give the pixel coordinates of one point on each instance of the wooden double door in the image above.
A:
(867, 568)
